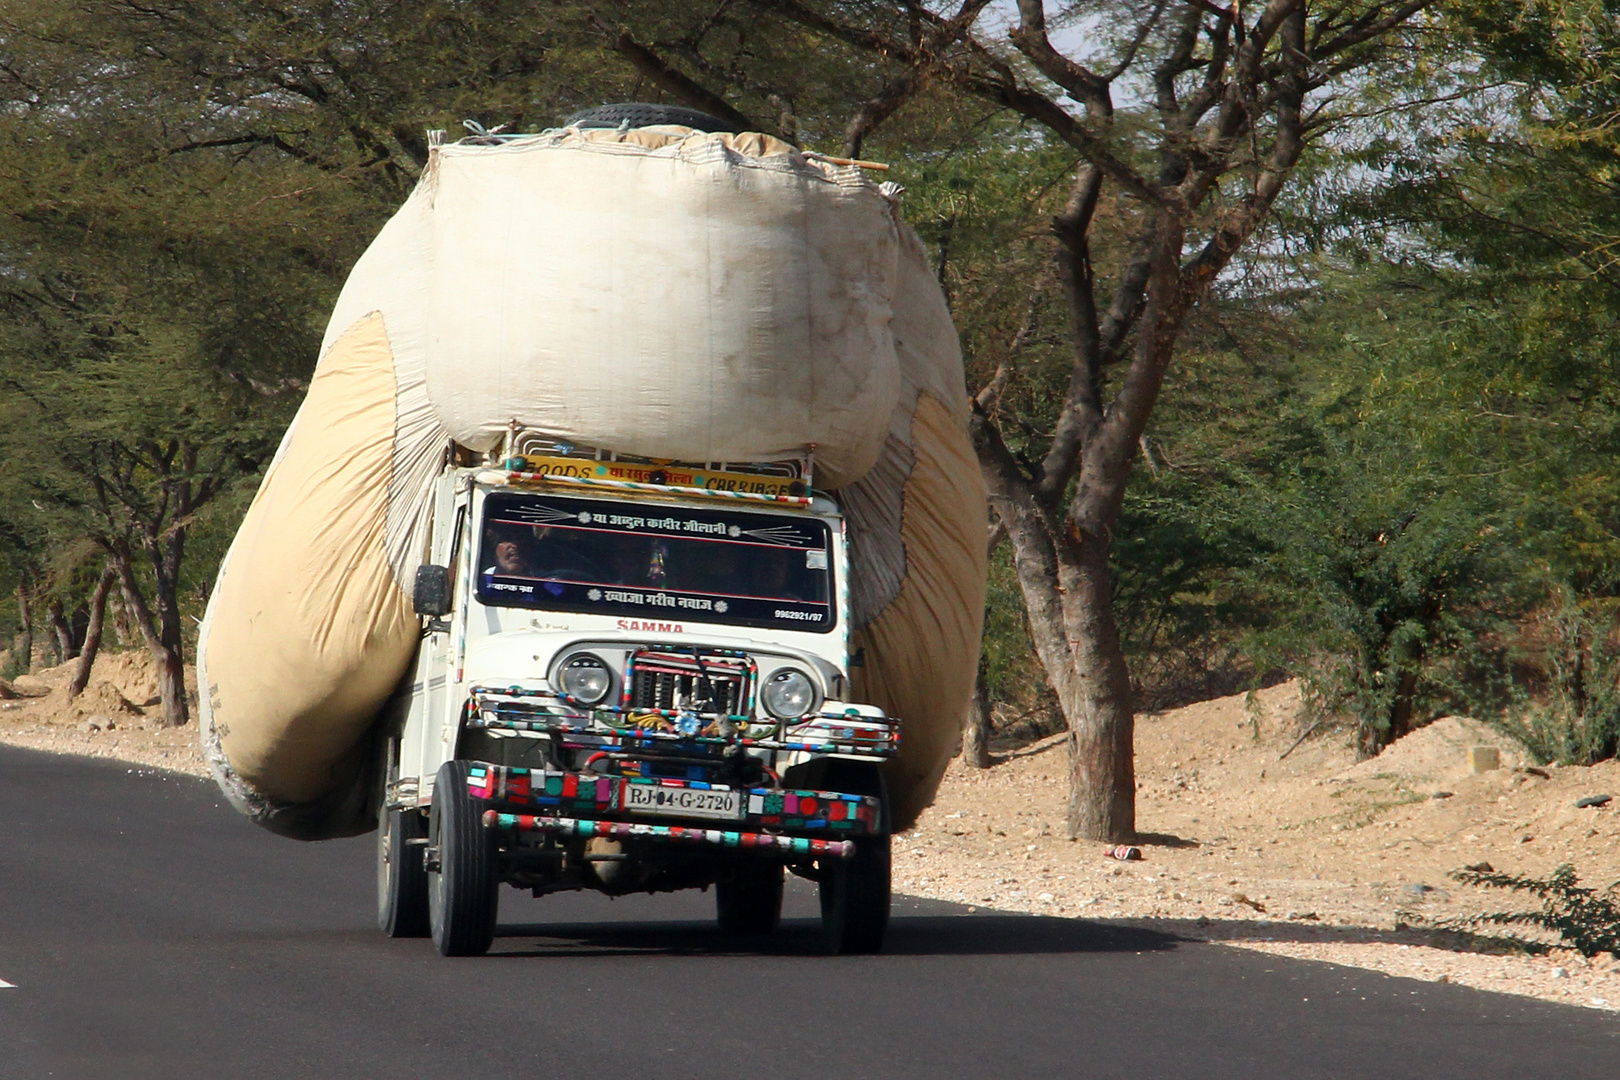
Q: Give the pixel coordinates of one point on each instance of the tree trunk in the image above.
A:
(976, 733)
(62, 649)
(170, 665)
(23, 652)
(92, 633)
(1072, 622)
(1375, 738)
(1229, 138)
(1098, 705)
(123, 625)
(171, 623)
(1065, 582)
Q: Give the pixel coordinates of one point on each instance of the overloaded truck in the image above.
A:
(629, 538)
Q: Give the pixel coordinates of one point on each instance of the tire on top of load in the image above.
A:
(643, 114)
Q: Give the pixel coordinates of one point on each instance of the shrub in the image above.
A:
(1585, 919)
(1579, 722)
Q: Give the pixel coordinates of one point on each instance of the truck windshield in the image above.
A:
(656, 562)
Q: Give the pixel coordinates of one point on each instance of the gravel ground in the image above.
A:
(1311, 856)
(1308, 855)
(116, 717)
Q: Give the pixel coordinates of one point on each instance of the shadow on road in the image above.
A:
(1223, 930)
(909, 935)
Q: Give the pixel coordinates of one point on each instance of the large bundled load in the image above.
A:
(657, 291)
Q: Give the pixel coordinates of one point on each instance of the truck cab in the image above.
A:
(633, 676)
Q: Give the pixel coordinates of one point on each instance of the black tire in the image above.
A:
(463, 893)
(642, 114)
(402, 885)
(402, 901)
(855, 898)
(749, 902)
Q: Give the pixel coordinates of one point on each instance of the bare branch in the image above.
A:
(990, 395)
(1039, 107)
(661, 74)
(1129, 295)
(877, 110)
(1082, 407)
(1209, 92)
(868, 40)
(1137, 41)
(1375, 22)
(1105, 467)
(1178, 60)
(1000, 86)
(1029, 36)
(896, 92)
(1238, 224)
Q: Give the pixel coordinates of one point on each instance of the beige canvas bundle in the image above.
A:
(665, 293)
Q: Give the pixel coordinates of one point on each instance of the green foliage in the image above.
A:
(345, 89)
(1577, 720)
(1182, 542)
(182, 190)
(1175, 600)
(1585, 919)
(1384, 537)
(983, 201)
(1383, 456)
(1500, 205)
(982, 196)
(1377, 584)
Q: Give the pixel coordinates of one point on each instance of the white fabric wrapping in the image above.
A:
(392, 279)
(657, 292)
(686, 302)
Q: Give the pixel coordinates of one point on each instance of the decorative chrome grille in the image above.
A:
(664, 680)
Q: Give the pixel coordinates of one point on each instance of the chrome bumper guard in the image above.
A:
(850, 733)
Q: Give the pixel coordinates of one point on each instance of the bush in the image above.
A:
(1579, 722)
(1585, 919)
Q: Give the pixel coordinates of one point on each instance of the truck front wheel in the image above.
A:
(749, 902)
(462, 884)
(855, 898)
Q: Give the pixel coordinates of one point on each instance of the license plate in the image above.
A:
(682, 802)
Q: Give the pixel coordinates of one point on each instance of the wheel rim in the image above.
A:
(435, 878)
(385, 862)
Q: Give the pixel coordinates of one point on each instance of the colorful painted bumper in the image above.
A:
(774, 809)
(680, 834)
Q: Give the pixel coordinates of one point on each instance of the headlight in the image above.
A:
(585, 679)
(788, 694)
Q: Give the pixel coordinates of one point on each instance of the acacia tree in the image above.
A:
(143, 497)
(182, 187)
(141, 446)
(1219, 105)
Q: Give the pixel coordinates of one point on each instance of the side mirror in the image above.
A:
(432, 593)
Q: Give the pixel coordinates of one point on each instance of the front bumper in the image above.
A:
(588, 805)
(684, 834)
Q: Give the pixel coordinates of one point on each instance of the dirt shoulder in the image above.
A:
(1310, 855)
(116, 717)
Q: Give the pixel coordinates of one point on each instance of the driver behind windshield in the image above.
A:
(536, 551)
(510, 549)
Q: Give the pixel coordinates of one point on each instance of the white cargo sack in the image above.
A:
(698, 297)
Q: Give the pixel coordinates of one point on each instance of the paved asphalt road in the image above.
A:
(151, 932)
